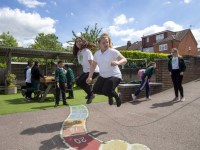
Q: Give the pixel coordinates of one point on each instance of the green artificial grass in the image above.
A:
(15, 103)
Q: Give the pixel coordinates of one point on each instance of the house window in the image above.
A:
(159, 37)
(149, 49)
(147, 39)
(162, 47)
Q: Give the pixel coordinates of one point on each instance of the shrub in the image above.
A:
(134, 54)
(11, 80)
(2, 65)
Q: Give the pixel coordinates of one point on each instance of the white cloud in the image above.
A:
(187, 1)
(31, 3)
(67, 45)
(122, 19)
(196, 33)
(72, 14)
(24, 26)
(167, 2)
(134, 35)
(54, 2)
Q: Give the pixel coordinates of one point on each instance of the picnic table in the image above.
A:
(47, 86)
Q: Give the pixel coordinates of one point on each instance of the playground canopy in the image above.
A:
(10, 52)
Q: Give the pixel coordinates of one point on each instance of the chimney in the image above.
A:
(128, 44)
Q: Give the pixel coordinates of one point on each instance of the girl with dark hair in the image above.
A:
(145, 81)
(176, 67)
(108, 60)
(81, 49)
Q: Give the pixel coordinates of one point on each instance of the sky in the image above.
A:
(123, 20)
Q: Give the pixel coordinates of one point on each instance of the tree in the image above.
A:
(91, 35)
(8, 40)
(47, 42)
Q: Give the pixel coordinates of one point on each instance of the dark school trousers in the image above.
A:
(61, 89)
(144, 83)
(70, 88)
(177, 82)
(81, 82)
(28, 85)
(106, 86)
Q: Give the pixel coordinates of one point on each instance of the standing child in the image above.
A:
(176, 67)
(108, 60)
(70, 81)
(60, 76)
(81, 49)
(145, 81)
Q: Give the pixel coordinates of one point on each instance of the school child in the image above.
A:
(108, 60)
(82, 50)
(70, 81)
(145, 81)
(176, 67)
(60, 77)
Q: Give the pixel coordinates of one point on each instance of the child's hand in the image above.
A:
(181, 73)
(114, 63)
(89, 80)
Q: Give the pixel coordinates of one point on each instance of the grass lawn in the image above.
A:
(15, 103)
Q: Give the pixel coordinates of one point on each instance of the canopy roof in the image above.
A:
(33, 53)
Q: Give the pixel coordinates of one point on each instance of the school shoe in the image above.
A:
(27, 99)
(133, 97)
(90, 99)
(175, 99)
(182, 99)
(118, 101)
(65, 103)
(110, 101)
(149, 98)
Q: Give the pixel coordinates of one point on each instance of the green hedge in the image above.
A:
(134, 54)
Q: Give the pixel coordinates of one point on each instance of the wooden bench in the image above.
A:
(126, 90)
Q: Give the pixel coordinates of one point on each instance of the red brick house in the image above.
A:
(163, 42)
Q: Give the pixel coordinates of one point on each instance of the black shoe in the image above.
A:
(65, 103)
(90, 99)
(118, 101)
(110, 101)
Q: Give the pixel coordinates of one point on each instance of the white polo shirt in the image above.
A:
(83, 56)
(175, 63)
(28, 75)
(104, 60)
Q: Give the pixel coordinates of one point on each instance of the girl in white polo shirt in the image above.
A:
(81, 49)
(108, 60)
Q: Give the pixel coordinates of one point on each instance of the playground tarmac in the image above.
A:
(159, 124)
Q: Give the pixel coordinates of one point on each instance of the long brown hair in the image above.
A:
(86, 44)
(176, 50)
(105, 35)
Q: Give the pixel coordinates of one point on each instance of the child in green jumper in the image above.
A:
(60, 77)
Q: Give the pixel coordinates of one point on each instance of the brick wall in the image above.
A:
(126, 90)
